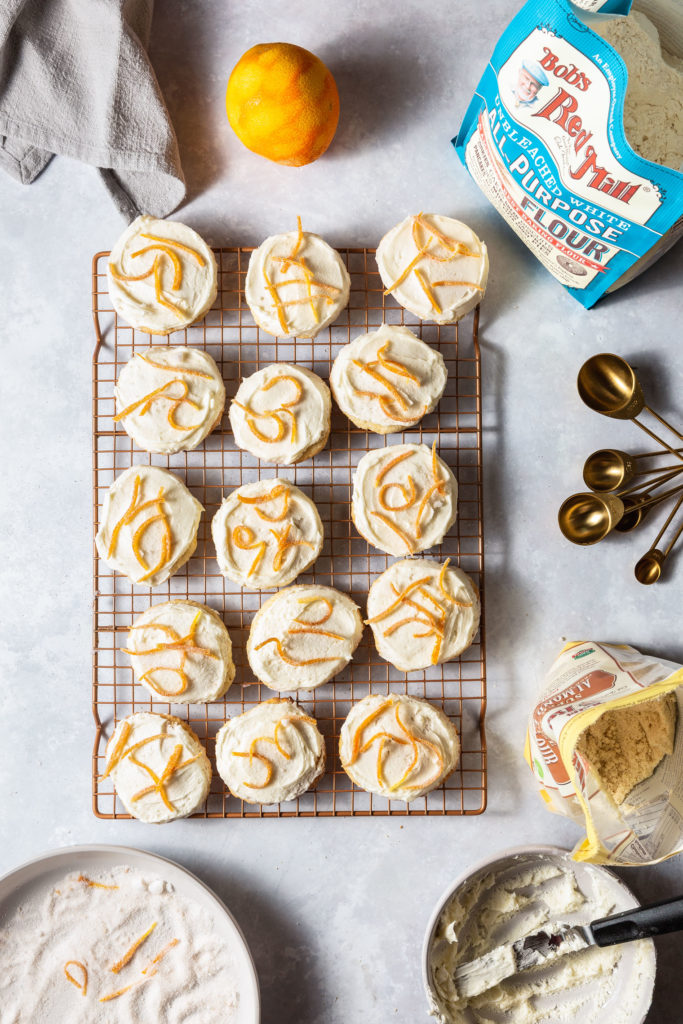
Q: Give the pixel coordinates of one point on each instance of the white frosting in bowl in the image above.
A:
(148, 525)
(296, 285)
(272, 753)
(266, 533)
(404, 498)
(398, 746)
(422, 613)
(162, 275)
(434, 266)
(303, 636)
(181, 652)
(387, 380)
(281, 414)
(158, 766)
(169, 399)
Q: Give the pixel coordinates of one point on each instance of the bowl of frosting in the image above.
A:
(517, 893)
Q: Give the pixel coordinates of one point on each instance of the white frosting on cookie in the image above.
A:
(166, 750)
(162, 275)
(169, 399)
(148, 525)
(434, 266)
(281, 414)
(296, 285)
(387, 380)
(266, 533)
(303, 636)
(404, 498)
(398, 746)
(272, 753)
(422, 613)
(181, 652)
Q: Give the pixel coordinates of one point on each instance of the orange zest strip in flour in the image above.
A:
(83, 985)
(277, 301)
(159, 957)
(244, 538)
(288, 660)
(130, 953)
(427, 290)
(390, 364)
(397, 530)
(259, 757)
(94, 885)
(121, 991)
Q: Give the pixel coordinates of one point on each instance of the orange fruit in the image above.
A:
(282, 103)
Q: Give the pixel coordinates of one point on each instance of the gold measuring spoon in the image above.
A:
(657, 481)
(609, 469)
(649, 568)
(587, 518)
(608, 385)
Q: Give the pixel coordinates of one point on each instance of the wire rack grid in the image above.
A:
(347, 562)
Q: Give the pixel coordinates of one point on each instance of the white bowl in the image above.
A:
(624, 899)
(40, 875)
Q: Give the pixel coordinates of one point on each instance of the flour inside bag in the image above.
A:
(575, 135)
(605, 743)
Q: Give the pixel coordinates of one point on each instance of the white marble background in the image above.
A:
(334, 910)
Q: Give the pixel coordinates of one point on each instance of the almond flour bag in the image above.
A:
(544, 137)
(606, 715)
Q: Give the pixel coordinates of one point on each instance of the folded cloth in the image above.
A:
(75, 79)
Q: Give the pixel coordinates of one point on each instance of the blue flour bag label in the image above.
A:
(543, 138)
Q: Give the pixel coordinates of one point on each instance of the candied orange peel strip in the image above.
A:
(283, 544)
(124, 518)
(380, 751)
(299, 237)
(390, 465)
(313, 600)
(393, 366)
(358, 735)
(175, 369)
(186, 645)
(400, 598)
(409, 495)
(315, 632)
(160, 394)
(369, 368)
(439, 756)
(299, 388)
(173, 256)
(130, 953)
(415, 260)
(117, 752)
(427, 290)
(277, 301)
(454, 247)
(165, 554)
(457, 284)
(413, 742)
(244, 538)
(259, 757)
(403, 622)
(173, 765)
(251, 416)
(177, 245)
(82, 985)
(287, 658)
(277, 492)
(158, 291)
(410, 545)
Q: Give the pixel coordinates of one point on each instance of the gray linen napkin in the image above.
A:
(75, 79)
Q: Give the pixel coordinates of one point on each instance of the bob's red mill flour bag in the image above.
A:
(575, 134)
(605, 743)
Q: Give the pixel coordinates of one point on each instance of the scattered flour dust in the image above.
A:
(181, 973)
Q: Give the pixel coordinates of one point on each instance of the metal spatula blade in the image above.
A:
(475, 977)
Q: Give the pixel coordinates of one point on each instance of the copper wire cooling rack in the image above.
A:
(347, 562)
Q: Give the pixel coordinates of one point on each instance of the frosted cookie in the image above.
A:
(404, 498)
(270, 754)
(387, 380)
(266, 533)
(158, 766)
(169, 399)
(296, 284)
(162, 276)
(422, 613)
(398, 746)
(303, 636)
(281, 414)
(182, 652)
(434, 266)
(148, 526)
